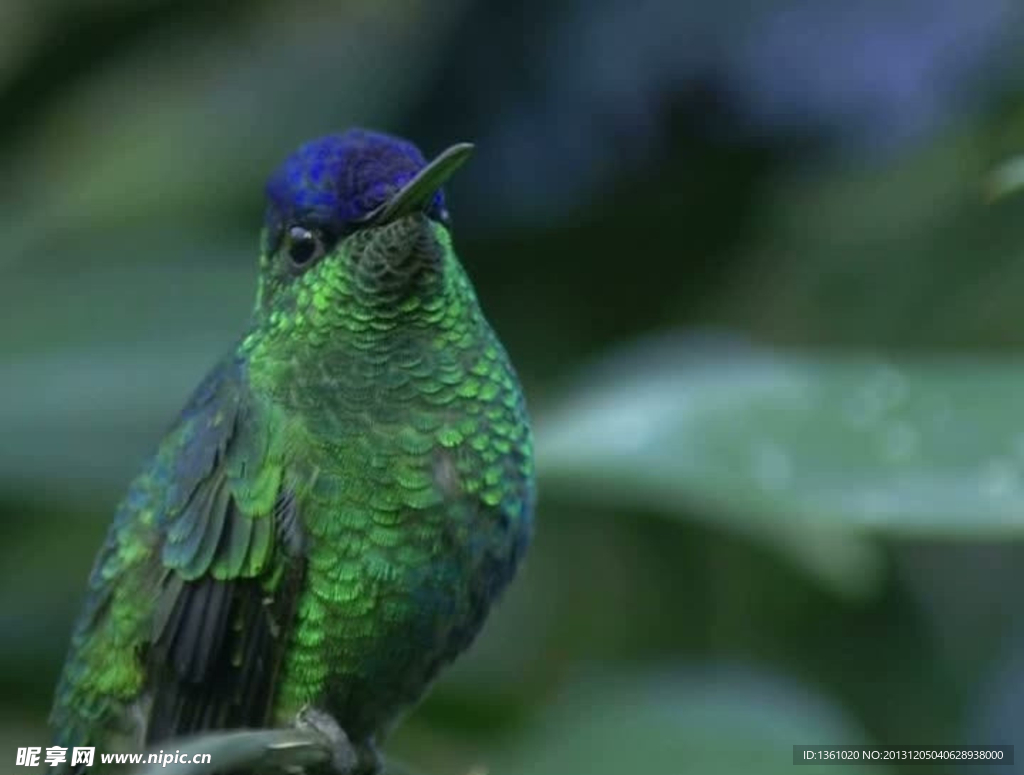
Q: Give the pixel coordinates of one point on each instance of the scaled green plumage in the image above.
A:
(341, 499)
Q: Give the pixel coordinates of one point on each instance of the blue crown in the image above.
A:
(337, 180)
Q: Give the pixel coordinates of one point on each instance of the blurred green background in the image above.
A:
(769, 321)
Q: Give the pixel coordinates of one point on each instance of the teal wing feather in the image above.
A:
(191, 597)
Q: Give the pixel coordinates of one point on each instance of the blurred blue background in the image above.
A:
(746, 260)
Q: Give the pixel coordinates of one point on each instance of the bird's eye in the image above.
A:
(304, 246)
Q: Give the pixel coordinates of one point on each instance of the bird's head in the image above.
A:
(356, 234)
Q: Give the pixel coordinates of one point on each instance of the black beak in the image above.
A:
(416, 194)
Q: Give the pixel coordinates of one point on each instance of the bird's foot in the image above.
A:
(346, 758)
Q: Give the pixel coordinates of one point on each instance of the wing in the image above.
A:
(193, 593)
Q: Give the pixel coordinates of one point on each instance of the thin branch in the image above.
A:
(262, 749)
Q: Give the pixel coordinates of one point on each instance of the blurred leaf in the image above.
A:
(675, 428)
(940, 264)
(87, 388)
(711, 722)
(806, 452)
(72, 422)
(1006, 179)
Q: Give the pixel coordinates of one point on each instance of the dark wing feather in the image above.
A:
(216, 662)
(192, 595)
(228, 580)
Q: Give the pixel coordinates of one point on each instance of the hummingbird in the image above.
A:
(329, 519)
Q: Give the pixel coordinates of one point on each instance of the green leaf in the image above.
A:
(707, 722)
(807, 452)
